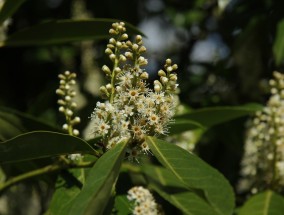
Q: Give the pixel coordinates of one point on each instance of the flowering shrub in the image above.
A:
(98, 175)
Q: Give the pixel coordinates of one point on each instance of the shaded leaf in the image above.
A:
(40, 144)
(171, 189)
(64, 31)
(13, 123)
(181, 125)
(278, 46)
(195, 174)
(211, 116)
(99, 184)
(9, 8)
(266, 203)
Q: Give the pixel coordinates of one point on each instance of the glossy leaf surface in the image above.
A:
(40, 144)
(194, 173)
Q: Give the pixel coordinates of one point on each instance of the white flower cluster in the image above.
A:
(67, 105)
(144, 202)
(133, 110)
(263, 162)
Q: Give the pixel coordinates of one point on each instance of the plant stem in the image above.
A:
(45, 170)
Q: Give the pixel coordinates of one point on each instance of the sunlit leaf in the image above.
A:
(9, 8)
(99, 184)
(266, 203)
(278, 46)
(181, 125)
(40, 144)
(64, 31)
(211, 116)
(195, 174)
(171, 189)
(13, 123)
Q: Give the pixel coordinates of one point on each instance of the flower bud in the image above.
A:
(108, 87)
(61, 102)
(108, 51)
(175, 67)
(103, 90)
(173, 77)
(168, 61)
(112, 57)
(76, 132)
(144, 75)
(69, 112)
(110, 46)
(113, 32)
(118, 44)
(122, 58)
(164, 80)
(129, 55)
(106, 70)
(60, 92)
(169, 69)
(65, 127)
(142, 49)
(157, 88)
(117, 70)
(162, 73)
(68, 98)
(138, 38)
(135, 47)
(124, 36)
(61, 109)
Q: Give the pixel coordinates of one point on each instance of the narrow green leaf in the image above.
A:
(9, 8)
(195, 174)
(181, 125)
(266, 203)
(40, 144)
(64, 31)
(211, 116)
(99, 184)
(171, 189)
(278, 46)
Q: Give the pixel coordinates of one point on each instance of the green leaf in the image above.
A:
(278, 46)
(13, 123)
(171, 189)
(266, 203)
(64, 31)
(99, 184)
(66, 191)
(195, 174)
(40, 144)
(181, 125)
(122, 205)
(9, 8)
(211, 116)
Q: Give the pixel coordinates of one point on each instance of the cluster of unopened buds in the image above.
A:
(67, 105)
(132, 109)
(263, 162)
(144, 202)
